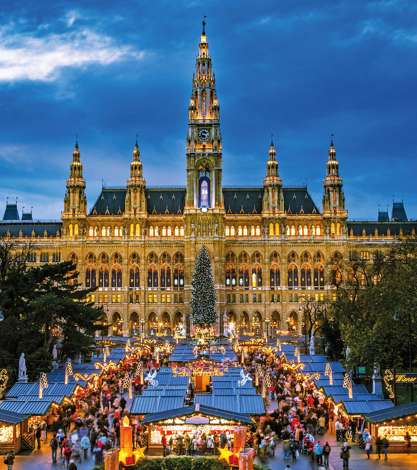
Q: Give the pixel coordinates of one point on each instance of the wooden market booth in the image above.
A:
(393, 423)
(188, 419)
(12, 428)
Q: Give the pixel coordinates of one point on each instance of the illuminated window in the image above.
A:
(137, 230)
(76, 230)
(151, 231)
(164, 231)
(293, 230)
(227, 231)
(305, 231)
(318, 230)
(300, 230)
(258, 231)
(176, 231)
(277, 230)
(271, 230)
(116, 231)
(239, 231)
(70, 230)
(252, 230)
(156, 231)
(169, 231)
(245, 231)
(181, 231)
(232, 231)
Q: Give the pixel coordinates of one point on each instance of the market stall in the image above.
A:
(12, 427)
(394, 424)
(191, 419)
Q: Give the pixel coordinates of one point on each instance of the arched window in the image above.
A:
(134, 324)
(292, 230)
(258, 231)
(274, 277)
(176, 231)
(117, 325)
(137, 230)
(134, 277)
(239, 231)
(271, 229)
(319, 277)
(103, 231)
(103, 277)
(204, 186)
(151, 231)
(91, 232)
(181, 231)
(178, 261)
(275, 322)
(292, 276)
(227, 231)
(116, 277)
(90, 278)
(293, 322)
(70, 229)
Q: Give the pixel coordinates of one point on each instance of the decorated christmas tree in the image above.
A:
(203, 294)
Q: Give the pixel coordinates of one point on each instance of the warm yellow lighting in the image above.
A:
(126, 421)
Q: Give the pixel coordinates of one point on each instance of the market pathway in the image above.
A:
(358, 460)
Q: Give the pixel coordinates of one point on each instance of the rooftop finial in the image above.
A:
(272, 138)
(136, 142)
(76, 141)
(332, 140)
(204, 25)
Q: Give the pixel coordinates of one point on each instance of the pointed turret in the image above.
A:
(273, 202)
(75, 201)
(204, 144)
(135, 203)
(333, 198)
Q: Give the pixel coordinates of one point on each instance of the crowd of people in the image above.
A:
(299, 415)
(86, 427)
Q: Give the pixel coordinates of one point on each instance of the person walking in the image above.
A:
(368, 447)
(378, 444)
(85, 445)
(318, 453)
(9, 460)
(53, 444)
(326, 454)
(385, 445)
(38, 434)
(407, 439)
(345, 455)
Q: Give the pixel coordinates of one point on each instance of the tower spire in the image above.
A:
(204, 145)
(273, 196)
(333, 198)
(75, 201)
(135, 202)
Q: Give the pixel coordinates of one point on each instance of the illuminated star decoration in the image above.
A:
(139, 453)
(225, 454)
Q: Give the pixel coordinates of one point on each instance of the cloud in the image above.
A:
(28, 57)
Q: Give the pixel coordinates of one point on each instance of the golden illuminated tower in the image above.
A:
(273, 199)
(75, 201)
(135, 204)
(334, 212)
(204, 146)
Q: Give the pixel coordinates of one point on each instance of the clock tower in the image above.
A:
(204, 145)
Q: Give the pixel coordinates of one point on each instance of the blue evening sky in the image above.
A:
(106, 70)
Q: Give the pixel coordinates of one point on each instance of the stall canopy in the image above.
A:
(56, 390)
(393, 413)
(145, 404)
(197, 409)
(185, 353)
(27, 407)
(10, 417)
(252, 405)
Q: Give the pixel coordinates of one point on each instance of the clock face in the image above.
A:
(203, 135)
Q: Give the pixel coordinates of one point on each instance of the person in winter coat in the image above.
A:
(85, 445)
(345, 455)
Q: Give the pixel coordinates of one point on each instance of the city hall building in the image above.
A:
(271, 246)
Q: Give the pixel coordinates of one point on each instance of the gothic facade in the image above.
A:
(271, 246)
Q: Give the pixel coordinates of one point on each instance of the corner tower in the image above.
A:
(75, 201)
(273, 199)
(204, 144)
(334, 212)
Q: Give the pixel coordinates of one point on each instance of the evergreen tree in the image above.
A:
(203, 299)
(42, 305)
